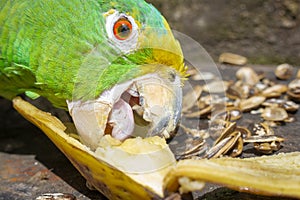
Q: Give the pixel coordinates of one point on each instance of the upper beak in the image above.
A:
(146, 106)
(161, 100)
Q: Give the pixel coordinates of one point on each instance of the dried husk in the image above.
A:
(244, 131)
(189, 100)
(216, 86)
(251, 103)
(262, 129)
(248, 76)
(233, 59)
(233, 113)
(294, 89)
(275, 91)
(274, 114)
(200, 113)
(284, 71)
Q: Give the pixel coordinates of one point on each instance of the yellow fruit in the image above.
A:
(277, 175)
(97, 168)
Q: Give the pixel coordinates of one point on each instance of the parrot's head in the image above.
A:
(130, 83)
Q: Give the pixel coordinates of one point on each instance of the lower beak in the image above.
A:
(143, 107)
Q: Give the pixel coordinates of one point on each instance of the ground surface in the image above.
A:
(31, 165)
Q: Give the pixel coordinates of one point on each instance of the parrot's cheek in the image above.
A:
(143, 107)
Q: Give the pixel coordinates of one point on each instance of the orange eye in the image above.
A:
(122, 28)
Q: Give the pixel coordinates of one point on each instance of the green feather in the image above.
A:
(16, 79)
(60, 49)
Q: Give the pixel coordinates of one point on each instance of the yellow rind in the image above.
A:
(110, 181)
(277, 175)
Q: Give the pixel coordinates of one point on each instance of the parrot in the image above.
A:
(115, 66)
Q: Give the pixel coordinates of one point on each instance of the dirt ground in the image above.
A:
(31, 165)
(265, 31)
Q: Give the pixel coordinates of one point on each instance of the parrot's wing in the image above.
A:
(16, 79)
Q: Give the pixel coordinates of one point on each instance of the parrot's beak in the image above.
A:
(146, 106)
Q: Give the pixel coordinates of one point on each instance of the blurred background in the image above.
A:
(265, 31)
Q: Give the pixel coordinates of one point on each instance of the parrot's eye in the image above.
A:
(122, 28)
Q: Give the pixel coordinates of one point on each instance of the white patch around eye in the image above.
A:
(127, 45)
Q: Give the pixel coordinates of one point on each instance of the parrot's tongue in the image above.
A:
(145, 106)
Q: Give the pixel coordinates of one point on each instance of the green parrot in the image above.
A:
(114, 65)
